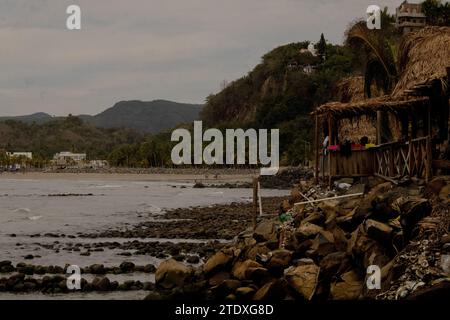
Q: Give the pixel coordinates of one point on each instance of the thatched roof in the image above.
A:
(369, 107)
(423, 57)
(351, 89)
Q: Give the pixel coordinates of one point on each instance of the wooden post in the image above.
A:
(330, 139)
(255, 201)
(428, 163)
(316, 142)
(379, 127)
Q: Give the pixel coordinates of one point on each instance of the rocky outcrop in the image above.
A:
(324, 251)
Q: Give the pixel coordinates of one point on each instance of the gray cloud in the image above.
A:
(147, 49)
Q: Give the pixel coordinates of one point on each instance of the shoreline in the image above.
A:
(225, 221)
(237, 177)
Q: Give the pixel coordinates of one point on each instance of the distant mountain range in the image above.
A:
(147, 117)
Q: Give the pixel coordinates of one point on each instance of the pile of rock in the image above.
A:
(323, 250)
(286, 178)
(97, 269)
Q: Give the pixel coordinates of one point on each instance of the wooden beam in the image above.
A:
(316, 142)
(330, 198)
(386, 178)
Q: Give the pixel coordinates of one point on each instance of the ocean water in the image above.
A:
(30, 207)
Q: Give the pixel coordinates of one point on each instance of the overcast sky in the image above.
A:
(178, 50)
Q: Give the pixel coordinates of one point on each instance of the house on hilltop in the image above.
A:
(409, 17)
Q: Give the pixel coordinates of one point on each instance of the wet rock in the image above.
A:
(334, 263)
(303, 279)
(154, 296)
(412, 211)
(435, 186)
(265, 231)
(6, 267)
(179, 257)
(245, 293)
(218, 278)
(225, 288)
(314, 218)
(243, 270)
(171, 273)
(438, 291)
(322, 245)
(366, 251)
(193, 259)
(127, 267)
(259, 249)
(97, 269)
(307, 231)
(199, 185)
(274, 290)
(218, 261)
(149, 268)
(350, 288)
(279, 259)
(379, 231)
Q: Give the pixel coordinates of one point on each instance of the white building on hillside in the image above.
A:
(66, 157)
(28, 155)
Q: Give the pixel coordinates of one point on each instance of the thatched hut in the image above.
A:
(351, 90)
(410, 122)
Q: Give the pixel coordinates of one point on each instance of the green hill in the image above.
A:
(280, 92)
(145, 117)
(69, 134)
(150, 117)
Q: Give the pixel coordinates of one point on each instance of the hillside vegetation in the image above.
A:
(278, 93)
(146, 117)
(69, 134)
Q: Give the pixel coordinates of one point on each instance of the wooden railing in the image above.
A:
(412, 159)
(391, 160)
(358, 163)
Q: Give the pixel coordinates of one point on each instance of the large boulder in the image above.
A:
(171, 274)
(412, 210)
(307, 230)
(266, 231)
(379, 231)
(303, 279)
(219, 261)
(127, 267)
(279, 259)
(350, 288)
(435, 186)
(334, 263)
(243, 270)
(274, 290)
(101, 284)
(366, 251)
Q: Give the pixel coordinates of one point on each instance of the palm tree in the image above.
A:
(380, 47)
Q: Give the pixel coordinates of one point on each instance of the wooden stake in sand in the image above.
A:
(255, 201)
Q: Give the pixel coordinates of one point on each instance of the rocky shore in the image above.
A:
(193, 228)
(326, 250)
